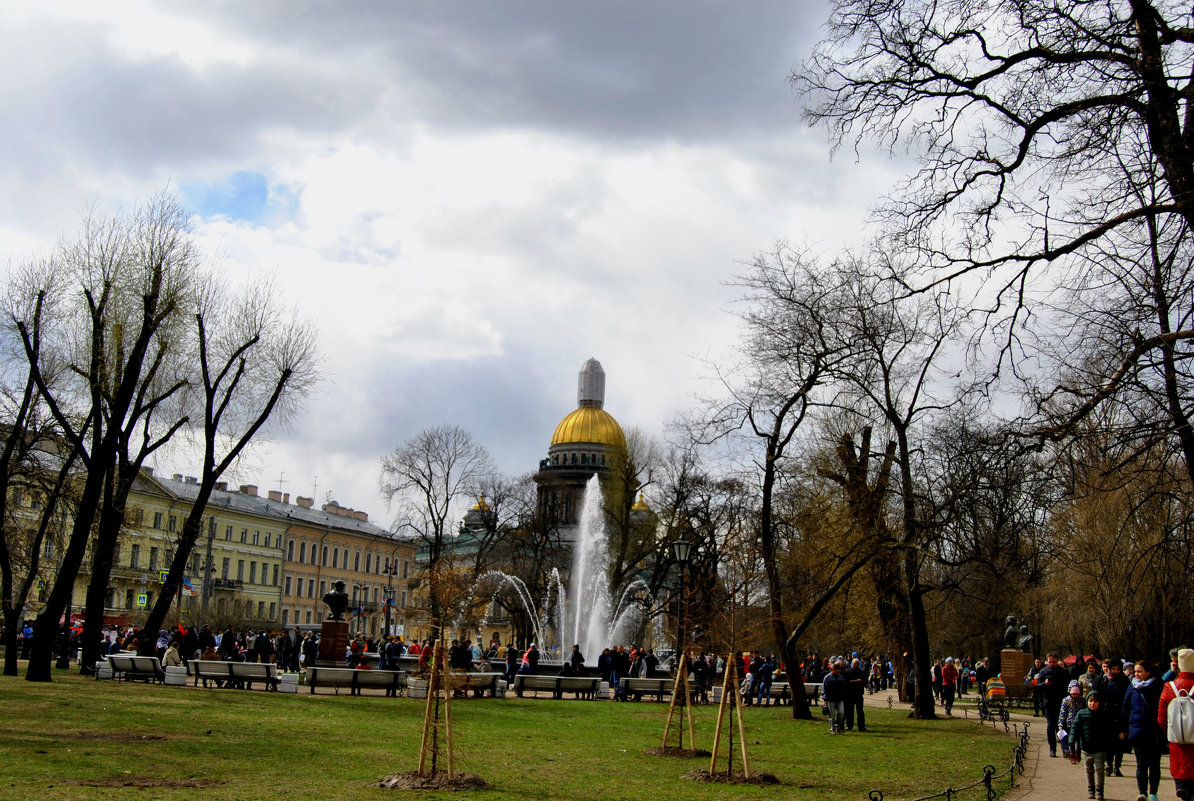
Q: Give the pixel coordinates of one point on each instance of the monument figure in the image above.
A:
(1011, 634)
(337, 600)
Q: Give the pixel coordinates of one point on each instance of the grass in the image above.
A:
(78, 738)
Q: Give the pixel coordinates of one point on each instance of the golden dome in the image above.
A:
(590, 424)
(481, 505)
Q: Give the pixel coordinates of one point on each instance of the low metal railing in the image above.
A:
(990, 777)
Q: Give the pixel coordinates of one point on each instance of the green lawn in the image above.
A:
(82, 739)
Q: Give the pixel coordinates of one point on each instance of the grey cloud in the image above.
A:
(685, 70)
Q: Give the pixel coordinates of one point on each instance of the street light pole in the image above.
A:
(681, 549)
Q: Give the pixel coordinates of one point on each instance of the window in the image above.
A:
(404, 599)
(375, 595)
(267, 540)
(290, 551)
(224, 568)
(157, 519)
(344, 558)
(285, 617)
(368, 561)
(48, 549)
(153, 558)
(405, 569)
(335, 557)
(310, 589)
(228, 533)
(256, 537)
(323, 588)
(287, 585)
(260, 609)
(308, 615)
(302, 551)
(276, 575)
(240, 569)
(174, 522)
(134, 555)
(128, 599)
(149, 600)
(252, 572)
(244, 535)
(139, 517)
(356, 562)
(272, 608)
(325, 556)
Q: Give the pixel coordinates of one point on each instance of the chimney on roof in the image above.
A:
(177, 476)
(192, 480)
(274, 495)
(285, 497)
(362, 516)
(222, 486)
(305, 503)
(249, 489)
(147, 471)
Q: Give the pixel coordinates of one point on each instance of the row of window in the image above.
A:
(339, 558)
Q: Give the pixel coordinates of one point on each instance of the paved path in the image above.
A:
(1049, 779)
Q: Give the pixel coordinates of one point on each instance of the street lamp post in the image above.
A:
(681, 550)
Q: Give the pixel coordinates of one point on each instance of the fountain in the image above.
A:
(585, 613)
(589, 582)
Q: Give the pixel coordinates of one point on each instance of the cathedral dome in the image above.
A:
(590, 425)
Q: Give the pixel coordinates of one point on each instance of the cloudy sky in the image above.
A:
(468, 199)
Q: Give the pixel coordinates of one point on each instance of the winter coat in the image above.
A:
(1181, 757)
(1092, 731)
(1138, 719)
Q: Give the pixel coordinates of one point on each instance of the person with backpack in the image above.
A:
(1138, 728)
(1175, 715)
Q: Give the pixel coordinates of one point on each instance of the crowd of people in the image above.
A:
(1096, 710)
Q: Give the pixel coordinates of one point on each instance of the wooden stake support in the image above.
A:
(729, 689)
(681, 694)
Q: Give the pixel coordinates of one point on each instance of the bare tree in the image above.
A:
(428, 477)
(256, 361)
(127, 277)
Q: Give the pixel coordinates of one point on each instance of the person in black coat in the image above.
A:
(1054, 680)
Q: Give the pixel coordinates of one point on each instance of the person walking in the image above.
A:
(833, 690)
(949, 683)
(1181, 755)
(1092, 733)
(1054, 680)
(1138, 728)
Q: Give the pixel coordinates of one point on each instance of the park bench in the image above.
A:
(233, 674)
(583, 686)
(206, 670)
(132, 666)
(638, 687)
(243, 674)
(392, 681)
(781, 692)
(481, 683)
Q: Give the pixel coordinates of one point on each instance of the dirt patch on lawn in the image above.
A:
(436, 781)
(736, 778)
(681, 753)
(144, 781)
(110, 736)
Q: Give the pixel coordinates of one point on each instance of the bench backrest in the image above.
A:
(253, 670)
(211, 667)
(134, 663)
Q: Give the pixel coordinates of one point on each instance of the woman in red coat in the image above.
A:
(1181, 757)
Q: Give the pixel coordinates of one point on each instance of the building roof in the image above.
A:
(590, 425)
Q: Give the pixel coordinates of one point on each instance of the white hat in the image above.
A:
(1185, 660)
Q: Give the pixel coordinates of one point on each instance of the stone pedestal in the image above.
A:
(1013, 667)
(333, 642)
